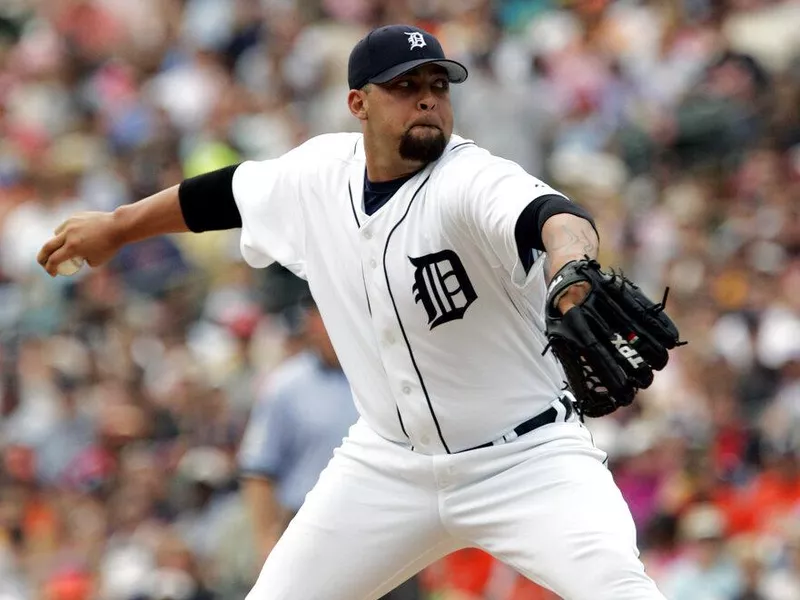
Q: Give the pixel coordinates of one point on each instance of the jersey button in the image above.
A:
(367, 235)
(407, 390)
(373, 263)
(425, 440)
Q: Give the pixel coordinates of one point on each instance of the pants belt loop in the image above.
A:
(568, 401)
(561, 409)
(511, 435)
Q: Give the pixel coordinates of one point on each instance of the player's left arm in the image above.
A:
(607, 334)
(567, 237)
(514, 217)
(565, 231)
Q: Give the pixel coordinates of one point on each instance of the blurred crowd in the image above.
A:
(125, 390)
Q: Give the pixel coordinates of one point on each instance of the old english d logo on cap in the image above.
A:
(388, 52)
(416, 39)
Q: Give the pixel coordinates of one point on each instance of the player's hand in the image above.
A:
(610, 342)
(573, 296)
(92, 236)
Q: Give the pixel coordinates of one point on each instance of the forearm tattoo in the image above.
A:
(569, 241)
(572, 239)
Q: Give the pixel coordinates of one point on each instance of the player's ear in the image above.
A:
(357, 102)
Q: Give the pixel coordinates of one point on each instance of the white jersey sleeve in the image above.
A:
(267, 194)
(493, 194)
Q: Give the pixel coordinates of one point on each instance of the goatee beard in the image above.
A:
(424, 149)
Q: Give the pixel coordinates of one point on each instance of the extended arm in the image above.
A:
(198, 204)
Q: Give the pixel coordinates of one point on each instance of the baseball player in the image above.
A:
(449, 281)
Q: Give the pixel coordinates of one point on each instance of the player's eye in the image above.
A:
(441, 84)
(404, 83)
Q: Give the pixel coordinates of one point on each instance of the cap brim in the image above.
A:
(456, 72)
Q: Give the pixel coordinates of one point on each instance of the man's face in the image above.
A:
(413, 112)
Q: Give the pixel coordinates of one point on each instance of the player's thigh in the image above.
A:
(369, 524)
(560, 520)
(311, 563)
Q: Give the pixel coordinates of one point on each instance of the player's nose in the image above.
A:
(427, 99)
(426, 102)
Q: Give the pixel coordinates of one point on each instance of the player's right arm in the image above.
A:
(202, 203)
(263, 198)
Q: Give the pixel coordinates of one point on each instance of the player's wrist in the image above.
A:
(120, 225)
(556, 263)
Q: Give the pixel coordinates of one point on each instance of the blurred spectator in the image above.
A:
(304, 412)
(301, 416)
(73, 434)
(783, 583)
(708, 572)
(774, 494)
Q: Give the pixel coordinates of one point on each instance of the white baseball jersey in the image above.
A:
(437, 326)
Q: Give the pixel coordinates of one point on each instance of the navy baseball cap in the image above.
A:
(388, 52)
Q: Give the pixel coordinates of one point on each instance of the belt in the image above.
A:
(543, 418)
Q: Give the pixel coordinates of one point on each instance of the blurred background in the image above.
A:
(126, 390)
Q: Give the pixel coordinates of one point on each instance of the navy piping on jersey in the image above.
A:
(402, 425)
(358, 225)
(352, 204)
(461, 144)
(400, 321)
(366, 293)
(369, 307)
(371, 202)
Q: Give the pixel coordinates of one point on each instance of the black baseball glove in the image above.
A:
(610, 344)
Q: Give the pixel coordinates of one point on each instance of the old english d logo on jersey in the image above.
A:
(442, 286)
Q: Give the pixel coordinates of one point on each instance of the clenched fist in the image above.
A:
(93, 236)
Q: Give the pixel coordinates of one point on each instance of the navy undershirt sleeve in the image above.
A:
(207, 201)
(528, 230)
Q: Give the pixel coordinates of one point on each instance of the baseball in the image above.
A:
(70, 267)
